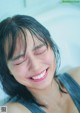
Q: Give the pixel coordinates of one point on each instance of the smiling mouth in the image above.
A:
(40, 76)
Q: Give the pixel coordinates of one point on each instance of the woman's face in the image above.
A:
(36, 68)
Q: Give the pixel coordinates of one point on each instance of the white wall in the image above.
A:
(29, 7)
(63, 23)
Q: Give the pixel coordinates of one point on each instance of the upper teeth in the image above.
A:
(39, 76)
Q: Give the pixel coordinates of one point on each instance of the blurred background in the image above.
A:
(60, 17)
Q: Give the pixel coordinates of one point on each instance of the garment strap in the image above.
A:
(72, 87)
(31, 106)
(34, 108)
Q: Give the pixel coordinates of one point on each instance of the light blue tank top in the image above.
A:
(71, 86)
(34, 108)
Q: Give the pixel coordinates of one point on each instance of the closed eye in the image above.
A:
(40, 50)
(20, 60)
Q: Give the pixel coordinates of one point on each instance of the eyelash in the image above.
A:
(23, 59)
(40, 52)
(19, 63)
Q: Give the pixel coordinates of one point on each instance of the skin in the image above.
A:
(39, 59)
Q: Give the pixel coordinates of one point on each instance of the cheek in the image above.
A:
(19, 74)
(17, 71)
(49, 59)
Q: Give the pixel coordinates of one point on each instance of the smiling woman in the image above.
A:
(29, 60)
(28, 66)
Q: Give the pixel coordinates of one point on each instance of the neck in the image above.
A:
(45, 96)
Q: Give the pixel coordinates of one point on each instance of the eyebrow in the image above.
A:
(38, 46)
(35, 48)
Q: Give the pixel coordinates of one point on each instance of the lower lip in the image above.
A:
(38, 80)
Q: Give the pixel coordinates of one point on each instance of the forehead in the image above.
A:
(29, 41)
(22, 41)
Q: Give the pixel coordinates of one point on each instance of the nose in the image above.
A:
(33, 63)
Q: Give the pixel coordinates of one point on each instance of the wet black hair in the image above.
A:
(10, 28)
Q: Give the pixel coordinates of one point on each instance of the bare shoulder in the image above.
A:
(75, 73)
(16, 108)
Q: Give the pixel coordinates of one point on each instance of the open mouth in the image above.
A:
(40, 76)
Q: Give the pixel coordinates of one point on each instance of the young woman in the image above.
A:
(29, 61)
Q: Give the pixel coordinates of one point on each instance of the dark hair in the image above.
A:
(10, 28)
